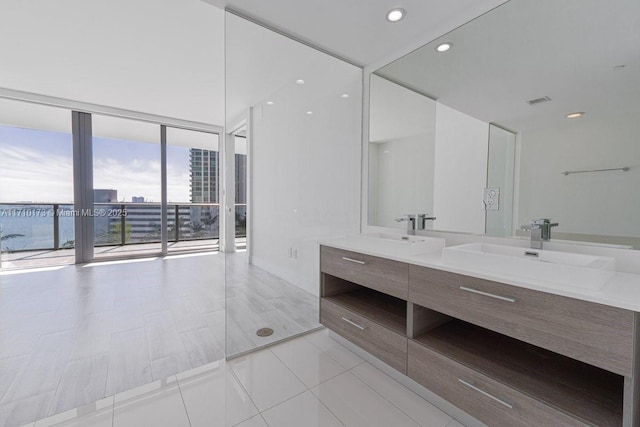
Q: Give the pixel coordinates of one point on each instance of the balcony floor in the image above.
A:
(48, 258)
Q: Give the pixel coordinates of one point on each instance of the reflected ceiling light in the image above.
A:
(575, 115)
(300, 81)
(443, 47)
(395, 15)
(269, 102)
(344, 95)
(309, 112)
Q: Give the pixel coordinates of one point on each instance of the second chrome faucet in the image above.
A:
(415, 221)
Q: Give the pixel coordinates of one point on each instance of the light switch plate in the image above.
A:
(492, 199)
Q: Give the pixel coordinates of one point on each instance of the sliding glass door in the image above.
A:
(126, 187)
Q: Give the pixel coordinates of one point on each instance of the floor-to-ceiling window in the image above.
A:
(193, 189)
(36, 185)
(126, 186)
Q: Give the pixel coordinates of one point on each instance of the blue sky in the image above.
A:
(37, 166)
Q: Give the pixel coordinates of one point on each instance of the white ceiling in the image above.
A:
(357, 30)
(167, 57)
(160, 57)
(525, 50)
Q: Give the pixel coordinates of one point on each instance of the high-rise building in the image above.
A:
(203, 165)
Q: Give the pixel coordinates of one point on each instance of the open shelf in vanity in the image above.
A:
(385, 310)
(504, 354)
(585, 393)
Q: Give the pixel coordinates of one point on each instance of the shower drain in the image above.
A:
(264, 332)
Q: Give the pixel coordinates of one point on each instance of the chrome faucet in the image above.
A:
(540, 231)
(421, 220)
(415, 222)
(411, 222)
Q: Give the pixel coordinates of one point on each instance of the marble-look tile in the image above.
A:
(96, 414)
(267, 380)
(355, 404)
(170, 365)
(129, 364)
(43, 370)
(215, 395)
(305, 408)
(201, 346)
(404, 399)
(25, 410)
(163, 338)
(307, 362)
(9, 369)
(84, 380)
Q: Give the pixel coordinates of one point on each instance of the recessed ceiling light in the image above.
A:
(395, 15)
(443, 47)
(344, 95)
(575, 115)
(300, 81)
(309, 112)
(269, 102)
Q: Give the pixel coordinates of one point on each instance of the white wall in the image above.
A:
(402, 135)
(460, 171)
(605, 203)
(305, 176)
(401, 179)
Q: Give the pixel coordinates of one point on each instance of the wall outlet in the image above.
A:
(295, 254)
(492, 199)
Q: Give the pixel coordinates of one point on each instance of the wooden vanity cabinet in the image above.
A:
(504, 354)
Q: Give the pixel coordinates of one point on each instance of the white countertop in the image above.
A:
(622, 291)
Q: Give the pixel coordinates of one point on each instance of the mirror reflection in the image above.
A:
(516, 75)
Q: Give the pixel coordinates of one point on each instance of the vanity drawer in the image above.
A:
(482, 397)
(593, 333)
(389, 277)
(388, 346)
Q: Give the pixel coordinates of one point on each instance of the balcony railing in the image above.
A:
(50, 226)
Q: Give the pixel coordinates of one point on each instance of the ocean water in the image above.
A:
(35, 223)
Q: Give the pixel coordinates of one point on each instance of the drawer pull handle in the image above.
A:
(353, 260)
(479, 390)
(351, 322)
(487, 294)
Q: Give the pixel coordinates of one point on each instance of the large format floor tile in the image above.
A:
(215, 397)
(212, 396)
(307, 362)
(267, 380)
(404, 399)
(356, 404)
(305, 407)
(161, 408)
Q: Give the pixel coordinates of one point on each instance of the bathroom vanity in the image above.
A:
(508, 352)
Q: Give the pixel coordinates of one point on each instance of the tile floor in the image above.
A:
(310, 381)
(76, 334)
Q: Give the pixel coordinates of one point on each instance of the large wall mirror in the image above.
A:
(494, 111)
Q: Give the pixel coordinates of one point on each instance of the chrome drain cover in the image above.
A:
(264, 332)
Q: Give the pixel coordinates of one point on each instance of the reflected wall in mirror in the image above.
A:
(423, 160)
(525, 66)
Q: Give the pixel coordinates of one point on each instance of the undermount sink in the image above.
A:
(403, 244)
(560, 268)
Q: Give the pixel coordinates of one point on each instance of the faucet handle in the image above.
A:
(406, 217)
